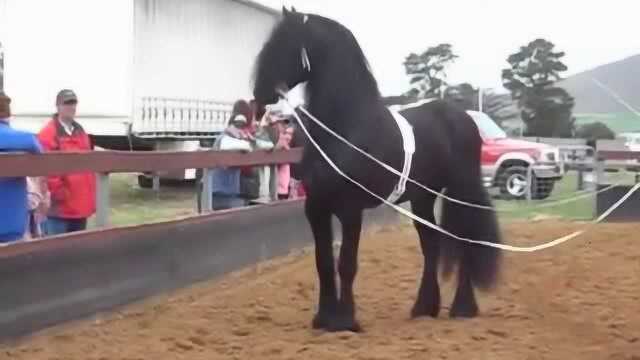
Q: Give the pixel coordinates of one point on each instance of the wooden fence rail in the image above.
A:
(58, 163)
(104, 163)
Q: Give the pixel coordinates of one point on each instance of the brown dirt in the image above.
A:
(580, 300)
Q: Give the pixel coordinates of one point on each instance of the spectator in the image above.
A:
(13, 190)
(72, 195)
(298, 141)
(225, 181)
(278, 128)
(284, 130)
(38, 201)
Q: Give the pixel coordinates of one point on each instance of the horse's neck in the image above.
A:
(339, 107)
(335, 117)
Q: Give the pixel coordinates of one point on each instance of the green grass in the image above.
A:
(566, 188)
(131, 205)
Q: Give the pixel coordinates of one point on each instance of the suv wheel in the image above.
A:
(513, 184)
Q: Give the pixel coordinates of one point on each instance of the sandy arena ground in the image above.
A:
(580, 300)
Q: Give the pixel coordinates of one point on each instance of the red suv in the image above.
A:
(506, 162)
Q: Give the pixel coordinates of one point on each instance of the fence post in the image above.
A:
(156, 182)
(206, 191)
(598, 179)
(530, 182)
(581, 170)
(102, 200)
(273, 182)
(599, 169)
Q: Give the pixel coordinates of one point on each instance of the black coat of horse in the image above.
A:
(343, 94)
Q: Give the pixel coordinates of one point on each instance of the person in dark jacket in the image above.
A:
(73, 196)
(14, 213)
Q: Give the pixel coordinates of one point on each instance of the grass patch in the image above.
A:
(566, 188)
(131, 205)
(582, 209)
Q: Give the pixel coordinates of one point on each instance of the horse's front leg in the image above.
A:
(351, 221)
(319, 218)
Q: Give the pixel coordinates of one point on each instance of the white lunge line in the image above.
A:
(396, 172)
(409, 148)
(615, 96)
(436, 227)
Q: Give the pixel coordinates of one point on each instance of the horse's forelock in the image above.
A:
(278, 61)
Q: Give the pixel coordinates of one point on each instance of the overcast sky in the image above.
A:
(483, 32)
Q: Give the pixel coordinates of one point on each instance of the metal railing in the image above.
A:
(176, 118)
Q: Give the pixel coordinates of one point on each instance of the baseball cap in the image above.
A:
(66, 96)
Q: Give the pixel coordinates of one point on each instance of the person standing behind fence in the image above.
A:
(38, 204)
(72, 195)
(225, 181)
(285, 134)
(14, 213)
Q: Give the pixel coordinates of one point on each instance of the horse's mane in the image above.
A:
(346, 69)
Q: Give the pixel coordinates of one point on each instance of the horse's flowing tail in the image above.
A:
(481, 262)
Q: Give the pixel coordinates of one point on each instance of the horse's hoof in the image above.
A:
(320, 322)
(416, 313)
(344, 324)
(420, 310)
(463, 312)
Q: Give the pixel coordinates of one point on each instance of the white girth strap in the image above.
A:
(409, 147)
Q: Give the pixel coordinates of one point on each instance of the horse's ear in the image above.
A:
(285, 12)
(293, 9)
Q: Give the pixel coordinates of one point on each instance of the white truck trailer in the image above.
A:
(149, 74)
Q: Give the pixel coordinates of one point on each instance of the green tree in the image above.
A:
(500, 107)
(546, 110)
(428, 71)
(464, 95)
(593, 132)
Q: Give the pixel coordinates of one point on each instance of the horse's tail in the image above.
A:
(481, 262)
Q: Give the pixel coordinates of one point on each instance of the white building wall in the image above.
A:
(79, 44)
(201, 49)
(114, 52)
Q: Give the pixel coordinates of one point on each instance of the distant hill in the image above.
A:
(623, 77)
(593, 103)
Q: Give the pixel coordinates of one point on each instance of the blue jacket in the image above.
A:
(13, 191)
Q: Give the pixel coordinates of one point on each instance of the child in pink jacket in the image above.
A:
(285, 131)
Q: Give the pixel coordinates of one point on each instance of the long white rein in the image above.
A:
(435, 192)
(425, 222)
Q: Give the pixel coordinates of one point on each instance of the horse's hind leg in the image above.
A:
(319, 217)
(351, 221)
(428, 300)
(464, 302)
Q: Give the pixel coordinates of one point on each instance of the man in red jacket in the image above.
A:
(72, 195)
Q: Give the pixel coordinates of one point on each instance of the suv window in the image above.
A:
(488, 128)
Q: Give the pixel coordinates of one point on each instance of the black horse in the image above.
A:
(343, 94)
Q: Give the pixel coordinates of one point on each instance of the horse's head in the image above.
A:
(284, 60)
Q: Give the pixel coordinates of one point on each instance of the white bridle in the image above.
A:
(306, 63)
